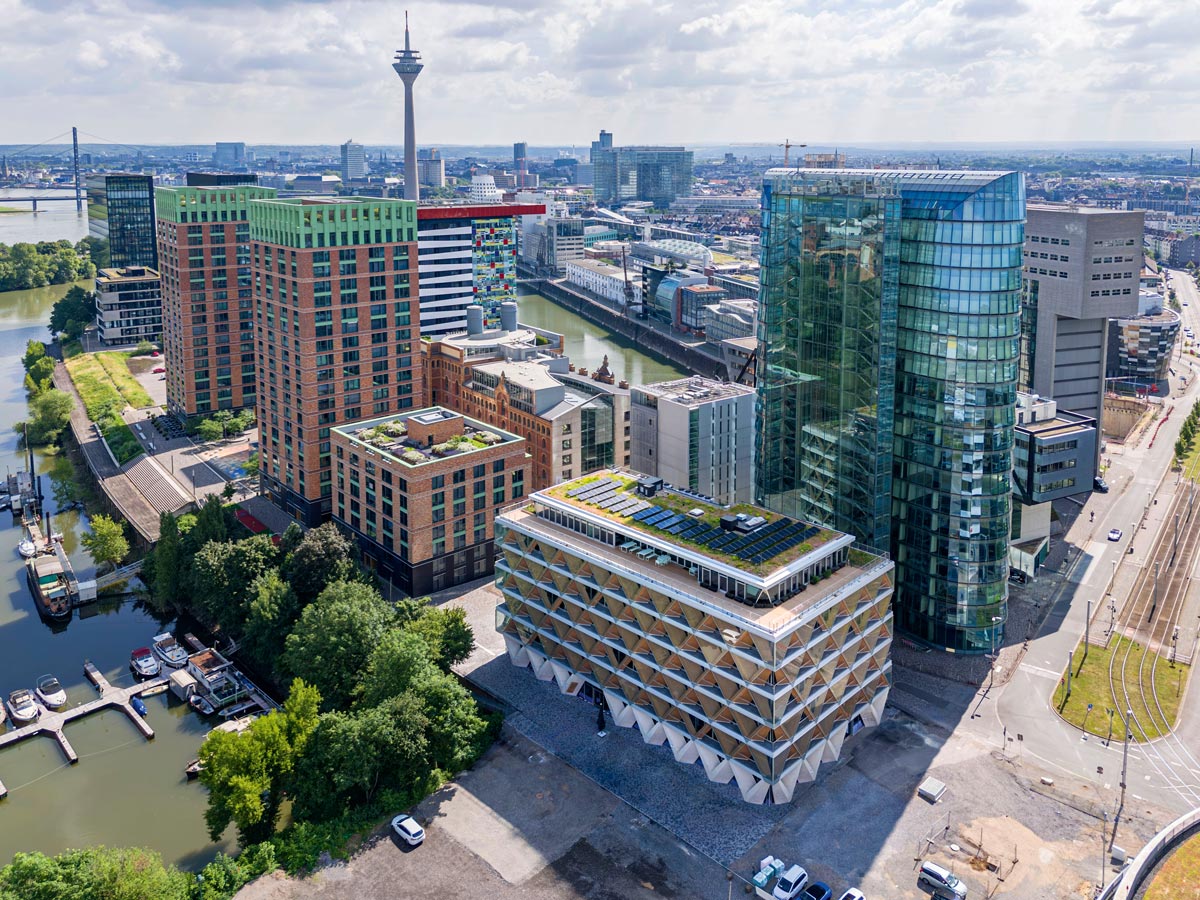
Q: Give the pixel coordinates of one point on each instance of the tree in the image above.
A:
(223, 574)
(50, 414)
(106, 543)
(208, 430)
(447, 632)
(353, 755)
(272, 612)
(72, 312)
(401, 659)
(121, 874)
(246, 774)
(250, 466)
(210, 525)
(323, 556)
(456, 732)
(144, 347)
(34, 350)
(228, 491)
(168, 562)
(333, 640)
(38, 376)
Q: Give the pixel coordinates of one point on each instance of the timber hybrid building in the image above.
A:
(753, 643)
(887, 374)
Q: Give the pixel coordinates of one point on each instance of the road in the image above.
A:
(1023, 707)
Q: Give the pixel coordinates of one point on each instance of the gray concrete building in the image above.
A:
(1081, 269)
(695, 434)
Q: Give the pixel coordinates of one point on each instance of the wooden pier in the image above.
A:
(53, 722)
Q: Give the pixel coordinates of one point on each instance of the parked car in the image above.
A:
(1114, 534)
(790, 883)
(852, 894)
(408, 830)
(158, 370)
(942, 881)
(818, 890)
(155, 354)
(1099, 485)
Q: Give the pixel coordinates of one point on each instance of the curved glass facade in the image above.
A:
(920, 344)
(958, 327)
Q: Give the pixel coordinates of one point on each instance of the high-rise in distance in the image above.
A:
(887, 373)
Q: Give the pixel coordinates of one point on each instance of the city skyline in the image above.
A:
(937, 71)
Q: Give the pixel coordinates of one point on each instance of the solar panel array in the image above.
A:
(757, 546)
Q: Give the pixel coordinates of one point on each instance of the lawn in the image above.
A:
(105, 382)
(1089, 684)
(1179, 878)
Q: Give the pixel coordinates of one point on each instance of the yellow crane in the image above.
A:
(787, 145)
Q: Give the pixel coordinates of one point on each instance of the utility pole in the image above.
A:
(1154, 605)
(1087, 625)
(1125, 756)
(78, 185)
(1070, 666)
(1175, 546)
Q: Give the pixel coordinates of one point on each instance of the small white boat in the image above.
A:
(22, 706)
(27, 548)
(143, 663)
(168, 650)
(50, 692)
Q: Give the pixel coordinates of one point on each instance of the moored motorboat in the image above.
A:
(201, 705)
(22, 706)
(27, 548)
(51, 590)
(139, 706)
(143, 663)
(168, 650)
(193, 769)
(50, 692)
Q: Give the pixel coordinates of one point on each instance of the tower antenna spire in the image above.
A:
(407, 45)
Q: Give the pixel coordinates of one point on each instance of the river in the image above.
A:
(125, 790)
(52, 222)
(587, 343)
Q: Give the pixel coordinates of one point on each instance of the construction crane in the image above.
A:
(787, 145)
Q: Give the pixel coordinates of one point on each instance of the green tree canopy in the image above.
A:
(72, 312)
(246, 774)
(272, 612)
(353, 755)
(106, 542)
(167, 563)
(49, 415)
(97, 872)
(223, 576)
(34, 350)
(208, 430)
(38, 376)
(323, 556)
(446, 630)
(334, 638)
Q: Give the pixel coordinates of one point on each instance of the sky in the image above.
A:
(557, 71)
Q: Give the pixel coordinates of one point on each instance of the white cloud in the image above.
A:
(650, 70)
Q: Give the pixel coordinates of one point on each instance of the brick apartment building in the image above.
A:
(420, 491)
(207, 296)
(336, 316)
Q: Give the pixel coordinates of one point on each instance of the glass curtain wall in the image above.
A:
(827, 360)
(956, 377)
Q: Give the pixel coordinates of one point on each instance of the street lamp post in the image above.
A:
(1125, 756)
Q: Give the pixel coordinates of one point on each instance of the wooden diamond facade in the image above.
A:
(761, 697)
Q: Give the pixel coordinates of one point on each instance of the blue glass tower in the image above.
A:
(949, 401)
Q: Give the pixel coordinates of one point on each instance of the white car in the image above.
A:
(790, 883)
(1114, 534)
(852, 894)
(408, 830)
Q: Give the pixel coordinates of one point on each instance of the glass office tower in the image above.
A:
(827, 326)
(121, 211)
(955, 335)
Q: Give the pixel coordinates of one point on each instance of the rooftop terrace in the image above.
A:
(743, 536)
(402, 438)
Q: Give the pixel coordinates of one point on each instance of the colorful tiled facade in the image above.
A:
(757, 670)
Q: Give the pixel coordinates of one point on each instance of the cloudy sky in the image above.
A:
(556, 71)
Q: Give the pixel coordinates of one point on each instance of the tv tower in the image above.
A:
(408, 66)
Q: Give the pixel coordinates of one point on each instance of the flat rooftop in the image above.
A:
(1056, 426)
(768, 619)
(745, 537)
(530, 375)
(695, 391)
(387, 436)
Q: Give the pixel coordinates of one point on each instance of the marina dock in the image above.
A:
(52, 723)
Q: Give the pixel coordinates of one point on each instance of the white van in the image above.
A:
(790, 883)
